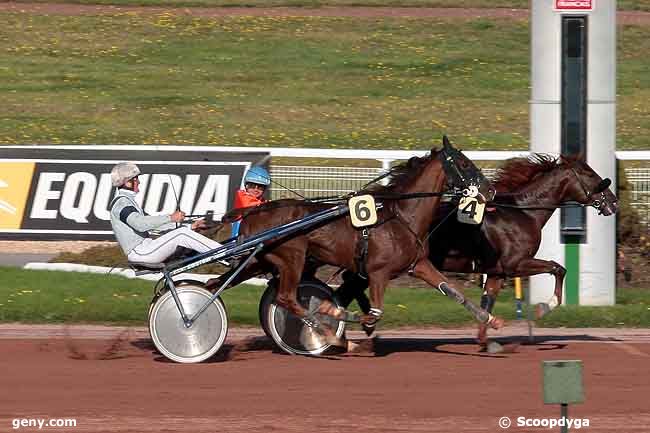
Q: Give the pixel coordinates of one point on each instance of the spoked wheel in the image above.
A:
(288, 331)
(180, 343)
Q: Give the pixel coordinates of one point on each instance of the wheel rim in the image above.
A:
(291, 334)
(179, 343)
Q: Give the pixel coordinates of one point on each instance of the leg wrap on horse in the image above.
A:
(371, 320)
(480, 315)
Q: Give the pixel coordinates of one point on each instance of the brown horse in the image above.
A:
(504, 245)
(533, 188)
(396, 243)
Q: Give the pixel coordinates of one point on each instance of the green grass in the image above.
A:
(56, 297)
(518, 4)
(290, 82)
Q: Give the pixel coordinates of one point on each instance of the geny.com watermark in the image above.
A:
(572, 423)
(41, 423)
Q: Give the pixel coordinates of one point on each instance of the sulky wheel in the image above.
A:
(164, 289)
(180, 343)
(289, 332)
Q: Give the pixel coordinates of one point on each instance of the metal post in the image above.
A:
(564, 414)
(531, 338)
(518, 297)
(385, 166)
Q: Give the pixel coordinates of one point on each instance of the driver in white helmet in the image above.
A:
(132, 226)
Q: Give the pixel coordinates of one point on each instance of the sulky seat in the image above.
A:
(146, 268)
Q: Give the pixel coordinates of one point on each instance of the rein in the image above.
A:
(527, 207)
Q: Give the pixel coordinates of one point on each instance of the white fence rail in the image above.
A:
(322, 181)
(639, 181)
(309, 181)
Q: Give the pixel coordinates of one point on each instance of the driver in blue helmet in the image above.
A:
(256, 180)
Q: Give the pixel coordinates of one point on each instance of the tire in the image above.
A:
(287, 331)
(263, 310)
(188, 345)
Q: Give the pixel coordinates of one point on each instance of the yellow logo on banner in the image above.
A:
(15, 180)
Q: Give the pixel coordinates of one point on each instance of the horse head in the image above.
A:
(588, 188)
(463, 175)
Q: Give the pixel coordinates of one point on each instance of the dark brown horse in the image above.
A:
(504, 246)
(528, 192)
(396, 243)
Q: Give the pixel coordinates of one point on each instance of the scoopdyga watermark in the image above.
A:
(550, 423)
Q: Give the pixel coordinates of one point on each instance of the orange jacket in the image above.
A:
(245, 199)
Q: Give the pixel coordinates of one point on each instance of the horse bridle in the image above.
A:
(602, 186)
(465, 184)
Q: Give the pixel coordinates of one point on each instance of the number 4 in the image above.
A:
(470, 211)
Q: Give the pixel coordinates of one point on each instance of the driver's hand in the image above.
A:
(177, 216)
(199, 224)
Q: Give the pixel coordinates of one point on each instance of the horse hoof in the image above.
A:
(364, 347)
(494, 347)
(497, 323)
(542, 309)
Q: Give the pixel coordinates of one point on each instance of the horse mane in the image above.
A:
(237, 214)
(402, 174)
(519, 171)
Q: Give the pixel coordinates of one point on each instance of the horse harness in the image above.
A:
(462, 183)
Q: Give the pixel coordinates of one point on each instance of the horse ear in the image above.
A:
(603, 185)
(445, 142)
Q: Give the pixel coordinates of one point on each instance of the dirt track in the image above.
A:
(116, 382)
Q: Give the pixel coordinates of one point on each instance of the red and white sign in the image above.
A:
(574, 5)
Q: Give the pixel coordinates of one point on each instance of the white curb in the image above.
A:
(128, 273)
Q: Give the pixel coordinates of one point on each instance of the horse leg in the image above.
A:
(490, 292)
(290, 271)
(377, 283)
(530, 267)
(425, 271)
(353, 287)
(289, 277)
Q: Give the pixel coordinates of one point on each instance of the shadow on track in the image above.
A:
(382, 347)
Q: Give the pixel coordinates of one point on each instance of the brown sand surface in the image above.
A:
(408, 382)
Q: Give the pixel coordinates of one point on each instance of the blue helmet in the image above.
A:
(258, 175)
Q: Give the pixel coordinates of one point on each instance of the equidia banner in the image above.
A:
(50, 192)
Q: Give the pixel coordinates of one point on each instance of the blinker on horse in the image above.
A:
(397, 243)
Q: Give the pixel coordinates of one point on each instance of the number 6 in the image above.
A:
(363, 211)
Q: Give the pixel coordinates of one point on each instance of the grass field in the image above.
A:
(53, 297)
(291, 82)
(517, 4)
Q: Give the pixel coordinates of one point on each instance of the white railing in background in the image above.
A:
(315, 181)
(310, 181)
(639, 181)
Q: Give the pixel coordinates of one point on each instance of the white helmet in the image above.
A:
(123, 172)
